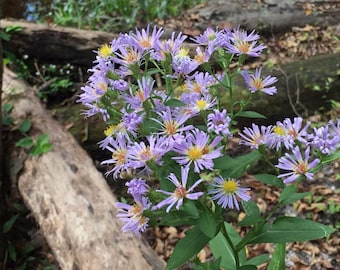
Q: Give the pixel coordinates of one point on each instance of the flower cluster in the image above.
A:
(165, 120)
(295, 137)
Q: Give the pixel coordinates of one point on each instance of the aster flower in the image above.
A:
(256, 83)
(131, 121)
(120, 85)
(197, 150)
(218, 122)
(128, 55)
(182, 64)
(168, 47)
(323, 140)
(209, 36)
(201, 103)
(254, 137)
(239, 42)
(137, 187)
(143, 38)
(297, 164)
(118, 148)
(132, 216)
(135, 99)
(141, 153)
(181, 192)
(287, 133)
(200, 83)
(226, 191)
(172, 122)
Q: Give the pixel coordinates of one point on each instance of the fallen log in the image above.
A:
(68, 197)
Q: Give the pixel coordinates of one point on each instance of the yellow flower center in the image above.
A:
(136, 209)
(183, 52)
(201, 104)
(170, 127)
(180, 192)
(244, 47)
(140, 95)
(257, 83)
(198, 89)
(110, 130)
(194, 153)
(105, 51)
(145, 154)
(279, 131)
(102, 86)
(120, 156)
(199, 58)
(145, 43)
(230, 186)
(301, 168)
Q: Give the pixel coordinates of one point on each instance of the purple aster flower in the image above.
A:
(131, 121)
(240, 42)
(201, 103)
(118, 147)
(144, 40)
(256, 83)
(168, 47)
(218, 122)
(140, 153)
(200, 83)
(181, 191)
(297, 165)
(135, 99)
(137, 187)
(288, 132)
(226, 191)
(255, 137)
(323, 140)
(120, 85)
(172, 123)
(335, 130)
(132, 216)
(128, 55)
(203, 56)
(209, 36)
(197, 150)
(93, 109)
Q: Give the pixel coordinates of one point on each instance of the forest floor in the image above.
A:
(31, 251)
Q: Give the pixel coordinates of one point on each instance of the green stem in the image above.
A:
(231, 244)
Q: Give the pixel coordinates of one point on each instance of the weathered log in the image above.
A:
(267, 16)
(68, 197)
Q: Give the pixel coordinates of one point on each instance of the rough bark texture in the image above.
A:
(268, 15)
(69, 198)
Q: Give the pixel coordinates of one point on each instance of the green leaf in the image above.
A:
(291, 229)
(248, 267)
(235, 167)
(209, 265)
(25, 125)
(251, 208)
(9, 223)
(277, 261)
(43, 139)
(220, 248)
(187, 247)
(7, 107)
(12, 252)
(26, 142)
(270, 180)
(207, 223)
(253, 214)
(251, 114)
(289, 195)
(174, 103)
(258, 260)
(331, 158)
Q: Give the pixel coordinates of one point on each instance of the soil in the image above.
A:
(26, 248)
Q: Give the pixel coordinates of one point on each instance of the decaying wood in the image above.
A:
(69, 198)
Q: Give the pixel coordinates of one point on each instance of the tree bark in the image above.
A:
(68, 197)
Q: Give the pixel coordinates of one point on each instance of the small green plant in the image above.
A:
(110, 15)
(6, 110)
(37, 147)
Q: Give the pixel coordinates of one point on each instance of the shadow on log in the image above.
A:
(68, 197)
